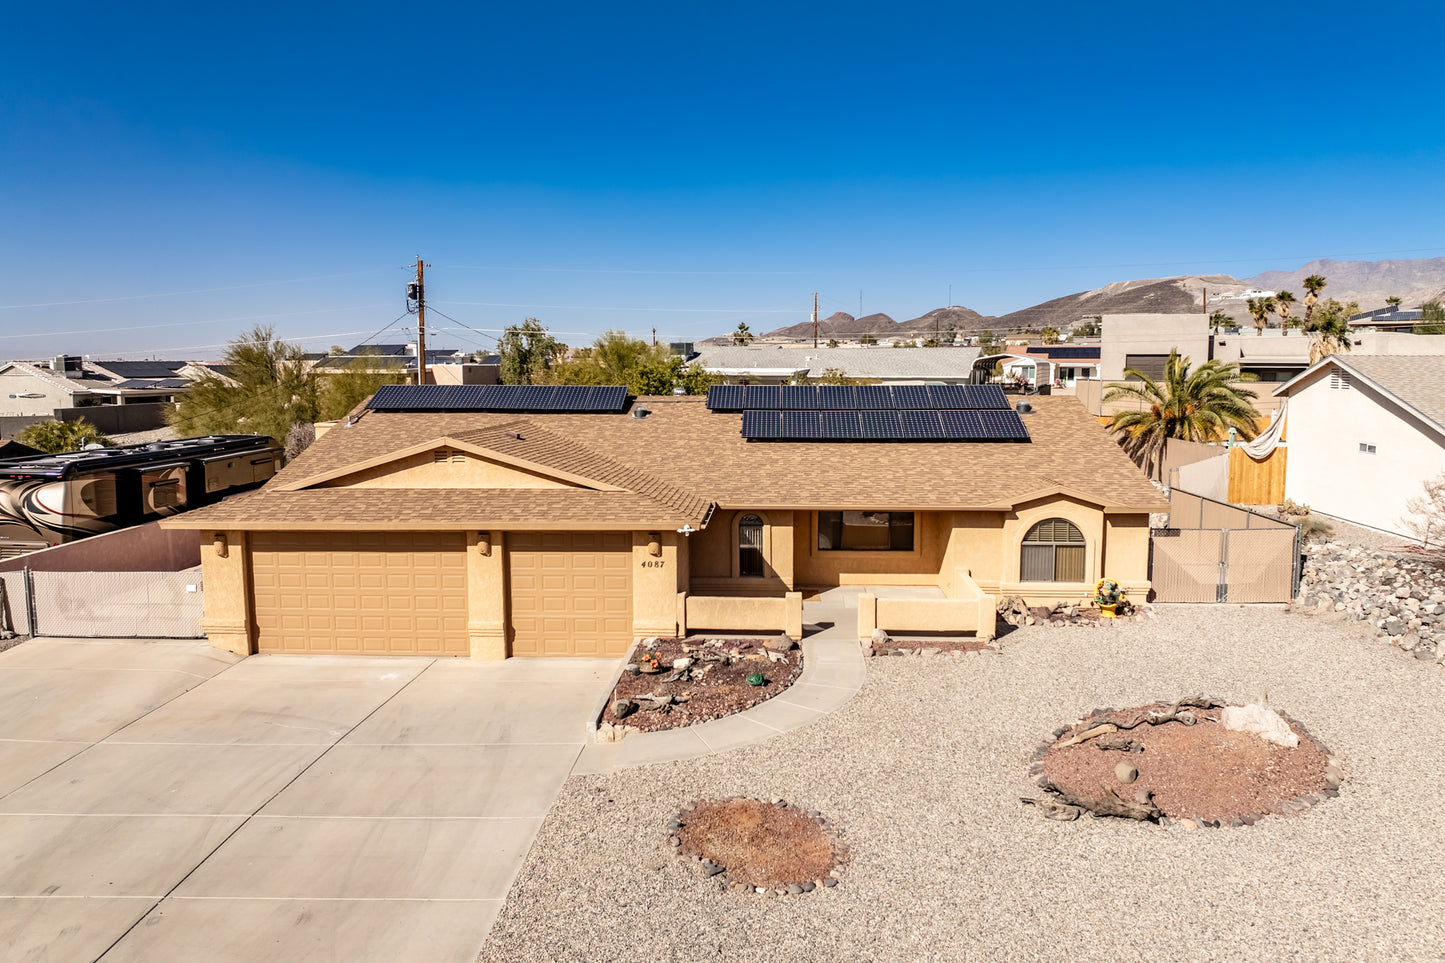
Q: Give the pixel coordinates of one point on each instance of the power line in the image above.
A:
(176, 294)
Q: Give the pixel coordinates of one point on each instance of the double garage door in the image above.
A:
(396, 593)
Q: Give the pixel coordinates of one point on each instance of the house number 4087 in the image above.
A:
(653, 563)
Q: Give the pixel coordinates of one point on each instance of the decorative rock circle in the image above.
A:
(1189, 764)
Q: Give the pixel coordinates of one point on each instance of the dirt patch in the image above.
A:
(1201, 772)
(948, 646)
(715, 685)
(764, 845)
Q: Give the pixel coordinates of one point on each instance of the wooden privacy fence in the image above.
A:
(1215, 552)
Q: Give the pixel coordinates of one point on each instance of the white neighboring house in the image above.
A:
(772, 364)
(1364, 433)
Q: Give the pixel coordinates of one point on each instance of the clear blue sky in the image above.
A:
(173, 173)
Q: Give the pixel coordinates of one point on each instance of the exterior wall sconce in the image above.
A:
(484, 543)
(223, 549)
(654, 544)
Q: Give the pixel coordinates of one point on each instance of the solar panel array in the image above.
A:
(909, 424)
(853, 397)
(871, 412)
(552, 399)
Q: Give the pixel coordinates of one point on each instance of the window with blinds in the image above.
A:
(1052, 551)
(750, 546)
(1149, 365)
(865, 531)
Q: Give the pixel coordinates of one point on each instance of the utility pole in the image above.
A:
(654, 335)
(416, 291)
(815, 319)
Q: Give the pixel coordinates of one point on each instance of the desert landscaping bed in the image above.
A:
(720, 677)
(925, 768)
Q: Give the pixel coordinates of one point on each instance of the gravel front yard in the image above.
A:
(923, 770)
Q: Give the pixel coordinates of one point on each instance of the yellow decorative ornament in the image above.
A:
(1107, 595)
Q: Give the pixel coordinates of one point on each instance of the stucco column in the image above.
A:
(654, 583)
(486, 595)
(226, 584)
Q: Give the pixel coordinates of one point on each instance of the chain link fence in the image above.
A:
(103, 605)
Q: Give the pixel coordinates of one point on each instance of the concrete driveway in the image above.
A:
(168, 801)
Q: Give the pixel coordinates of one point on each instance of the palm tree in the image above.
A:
(1220, 319)
(742, 335)
(1394, 302)
(1049, 335)
(1331, 329)
(1198, 405)
(1260, 308)
(1281, 306)
(1313, 284)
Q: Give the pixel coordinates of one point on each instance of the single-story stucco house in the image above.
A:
(420, 527)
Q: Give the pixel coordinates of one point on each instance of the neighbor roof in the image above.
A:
(1413, 380)
(140, 369)
(856, 362)
(675, 462)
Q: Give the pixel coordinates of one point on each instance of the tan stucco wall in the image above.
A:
(15, 382)
(487, 615)
(815, 569)
(422, 471)
(655, 584)
(226, 583)
(714, 554)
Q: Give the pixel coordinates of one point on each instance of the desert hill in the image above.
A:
(1368, 282)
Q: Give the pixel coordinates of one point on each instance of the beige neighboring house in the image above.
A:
(28, 389)
(882, 364)
(495, 534)
(1364, 432)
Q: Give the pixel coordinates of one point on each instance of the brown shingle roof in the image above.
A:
(683, 448)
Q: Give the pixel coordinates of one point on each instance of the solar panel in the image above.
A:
(873, 396)
(985, 396)
(919, 424)
(504, 398)
(947, 396)
(911, 396)
(726, 397)
(837, 398)
(961, 425)
(607, 398)
(762, 396)
(878, 425)
(761, 424)
(1003, 426)
(798, 398)
(801, 424)
(839, 425)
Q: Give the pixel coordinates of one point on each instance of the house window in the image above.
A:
(1053, 551)
(865, 531)
(750, 546)
(1366, 449)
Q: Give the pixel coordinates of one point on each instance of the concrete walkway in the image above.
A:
(167, 801)
(833, 672)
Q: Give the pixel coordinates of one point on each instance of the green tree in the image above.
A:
(950, 333)
(985, 341)
(1260, 308)
(646, 369)
(1432, 317)
(1194, 405)
(832, 342)
(742, 335)
(1394, 301)
(1049, 335)
(837, 376)
(340, 390)
(1220, 319)
(1313, 285)
(1282, 301)
(61, 436)
(1087, 329)
(868, 338)
(268, 388)
(528, 353)
(1330, 328)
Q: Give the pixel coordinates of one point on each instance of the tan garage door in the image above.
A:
(571, 592)
(364, 593)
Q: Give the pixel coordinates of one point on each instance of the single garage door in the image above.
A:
(571, 592)
(361, 593)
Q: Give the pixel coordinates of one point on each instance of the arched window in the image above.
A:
(1053, 551)
(750, 546)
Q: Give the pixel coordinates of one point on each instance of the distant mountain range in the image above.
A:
(1368, 282)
